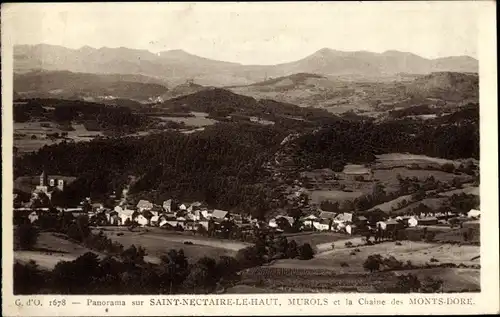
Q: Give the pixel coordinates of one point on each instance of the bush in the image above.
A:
(292, 251)
(344, 264)
(398, 243)
(407, 284)
(26, 236)
(434, 260)
(306, 252)
(448, 167)
(392, 263)
(431, 285)
(373, 263)
(352, 253)
(348, 244)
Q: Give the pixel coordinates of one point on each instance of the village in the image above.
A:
(197, 217)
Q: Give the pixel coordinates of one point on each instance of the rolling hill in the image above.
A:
(338, 95)
(177, 66)
(66, 84)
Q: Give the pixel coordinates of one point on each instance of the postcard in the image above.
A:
(277, 158)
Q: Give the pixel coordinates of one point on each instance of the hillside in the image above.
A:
(223, 105)
(339, 95)
(65, 84)
(177, 66)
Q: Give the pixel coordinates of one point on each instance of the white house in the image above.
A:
(167, 205)
(33, 217)
(474, 213)
(124, 214)
(144, 205)
(322, 225)
(412, 222)
(141, 220)
(272, 223)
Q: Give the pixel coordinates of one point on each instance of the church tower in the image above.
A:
(43, 179)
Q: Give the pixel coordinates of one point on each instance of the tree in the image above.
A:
(407, 283)
(306, 252)
(26, 236)
(373, 263)
(28, 278)
(431, 285)
(292, 251)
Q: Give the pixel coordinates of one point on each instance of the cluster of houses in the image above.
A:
(169, 214)
(350, 222)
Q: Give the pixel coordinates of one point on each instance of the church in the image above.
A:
(48, 185)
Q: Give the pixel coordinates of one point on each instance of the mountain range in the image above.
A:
(175, 67)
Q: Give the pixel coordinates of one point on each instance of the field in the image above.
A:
(23, 133)
(198, 120)
(159, 242)
(50, 249)
(341, 269)
(319, 241)
(317, 196)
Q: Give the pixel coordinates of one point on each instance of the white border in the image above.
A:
(485, 302)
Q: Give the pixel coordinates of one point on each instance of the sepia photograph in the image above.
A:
(245, 148)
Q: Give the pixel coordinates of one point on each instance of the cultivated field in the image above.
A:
(23, 133)
(158, 242)
(51, 249)
(341, 269)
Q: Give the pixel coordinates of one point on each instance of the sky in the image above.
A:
(252, 33)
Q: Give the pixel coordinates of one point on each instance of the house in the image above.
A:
(349, 229)
(97, 207)
(114, 218)
(124, 214)
(167, 205)
(327, 215)
(355, 172)
(361, 220)
(473, 213)
(220, 215)
(194, 206)
(182, 207)
(412, 222)
(154, 220)
(309, 220)
(343, 219)
(141, 220)
(272, 223)
(33, 217)
(322, 225)
(144, 205)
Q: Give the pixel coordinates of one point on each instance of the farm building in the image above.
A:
(357, 172)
